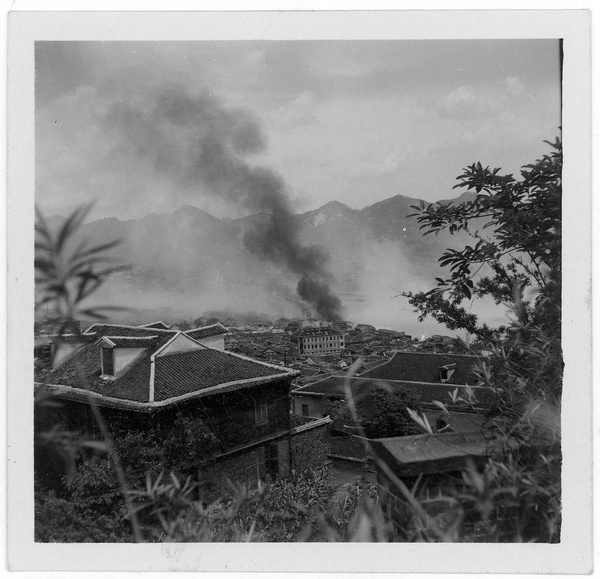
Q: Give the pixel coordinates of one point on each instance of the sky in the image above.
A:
(123, 124)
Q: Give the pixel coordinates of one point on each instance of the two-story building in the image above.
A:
(145, 376)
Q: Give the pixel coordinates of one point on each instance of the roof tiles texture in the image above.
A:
(425, 367)
(176, 374)
(186, 372)
(160, 325)
(71, 338)
(426, 392)
(206, 331)
(126, 331)
(139, 342)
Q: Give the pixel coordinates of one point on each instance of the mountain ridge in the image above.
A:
(190, 260)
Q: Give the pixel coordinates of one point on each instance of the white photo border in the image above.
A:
(572, 555)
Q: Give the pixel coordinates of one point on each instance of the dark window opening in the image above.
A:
(45, 352)
(268, 461)
(108, 362)
(261, 413)
(305, 410)
(446, 372)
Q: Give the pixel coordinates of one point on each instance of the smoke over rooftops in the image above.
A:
(193, 141)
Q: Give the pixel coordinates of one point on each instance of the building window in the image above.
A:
(268, 461)
(108, 362)
(261, 414)
(446, 372)
(305, 410)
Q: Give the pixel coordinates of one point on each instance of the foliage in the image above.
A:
(65, 276)
(56, 449)
(94, 486)
(180, 446)
(516, 495)
(301, 507)
(381, 412)
(521, 250)
(67, 273)
(60, 521)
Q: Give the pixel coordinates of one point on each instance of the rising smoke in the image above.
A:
(195, 142)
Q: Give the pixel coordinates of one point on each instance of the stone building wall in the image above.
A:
(310, 447)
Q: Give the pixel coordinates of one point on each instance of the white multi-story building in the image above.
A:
(320, 341)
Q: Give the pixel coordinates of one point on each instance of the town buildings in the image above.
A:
(430, 378)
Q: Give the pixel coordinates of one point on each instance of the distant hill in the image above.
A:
(189, 261)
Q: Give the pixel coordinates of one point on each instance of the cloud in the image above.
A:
(459, 102)
(467, 102)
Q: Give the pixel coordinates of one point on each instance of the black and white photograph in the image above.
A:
(291, 288)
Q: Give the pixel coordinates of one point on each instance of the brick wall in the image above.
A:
(310, 447)
(283, 451)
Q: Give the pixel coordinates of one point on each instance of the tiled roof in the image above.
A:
(137, 342)
(180, 374)
(134, 384)
(158, 325)
(126, 331)
(440, 452)
(206, 331)
(424, 367)
(426, 392)
(185, 372)
(70, 338)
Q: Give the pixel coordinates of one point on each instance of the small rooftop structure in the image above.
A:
(409, 456)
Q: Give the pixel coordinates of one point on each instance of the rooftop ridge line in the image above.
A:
(168, 401)
(89, 330)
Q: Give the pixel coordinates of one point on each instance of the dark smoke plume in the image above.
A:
(196, 142)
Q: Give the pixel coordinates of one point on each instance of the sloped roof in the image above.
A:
(186, 372)
(69, 338)
(126, 331)
(137, 342)
(429, 453)
(206, 331)
(424, 367)
(178, 374)
(426, 392)
(133, 384)
(160, 325)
